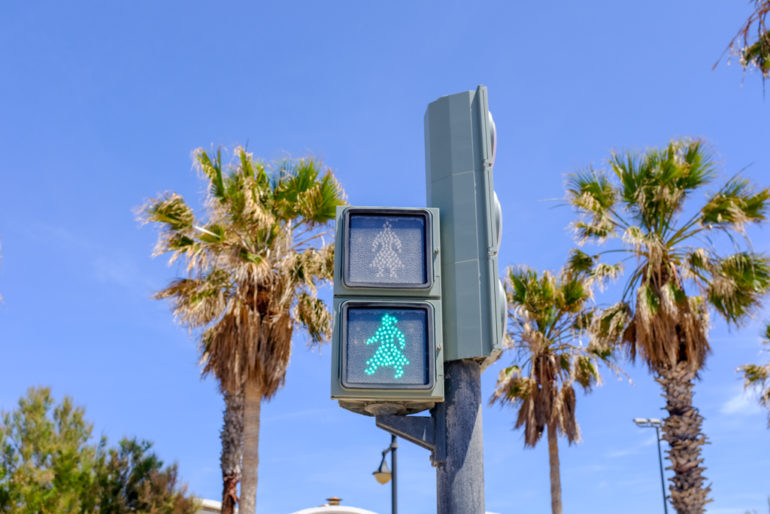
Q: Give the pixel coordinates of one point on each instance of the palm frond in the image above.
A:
(738, 283)
(753, 52)
(171, 211)
(598, 231)
(300, 194)
(312, 266)
(758, 54)
(572, 295)
(199, 301)
(212, 169)
(293, 181)
(586, 372)
(736, 204)
(212, 233)
(511, 386)
(698, 164)
(696, 264)
(591, 191)
(653, 185)
(311, 313)
(579, 262)
(328, 197)
(758, 377)
(754, 374)
(610, 326)
(568, 419)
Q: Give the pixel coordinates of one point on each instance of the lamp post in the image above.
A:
(384, 475)
(656, 424)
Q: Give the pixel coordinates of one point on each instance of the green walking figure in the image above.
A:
(389, 354)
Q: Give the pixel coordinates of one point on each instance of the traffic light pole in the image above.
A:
(453, 434)
(460, 144)
(460, 477)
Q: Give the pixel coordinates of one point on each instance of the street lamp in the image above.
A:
(656, 423)
(383, 473)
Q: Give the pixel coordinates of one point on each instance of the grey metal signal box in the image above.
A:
(387, 345)
(460, 144)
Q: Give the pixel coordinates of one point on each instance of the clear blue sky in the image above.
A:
(101, 104)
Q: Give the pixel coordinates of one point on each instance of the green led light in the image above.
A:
(389, 354)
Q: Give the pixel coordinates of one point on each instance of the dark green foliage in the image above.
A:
(591, 186)
(735, 203)
(655, 184)
(758, 54)
(46, 464)
(747, 276)
(579, 261)
(133, 479)
(49, 464)
(172, 210)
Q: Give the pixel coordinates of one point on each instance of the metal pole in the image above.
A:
(393, 465)
(662, 479)
(460, 477)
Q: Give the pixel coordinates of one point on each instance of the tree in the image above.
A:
(663, 312)
(132, 479)
(754, 40)
(758, 376)
(48, 464)
(547, 316)
(231, 438)
(253, 266)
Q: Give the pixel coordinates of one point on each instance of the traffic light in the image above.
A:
(387, 344)
(460, 144)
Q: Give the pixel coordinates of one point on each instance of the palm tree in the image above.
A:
(754, 40)
(663, 312)
(547, 315)
(759, 376)
(231, 439)
(253, 266)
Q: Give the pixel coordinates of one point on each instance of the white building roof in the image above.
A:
(209, 506)
(334, 509)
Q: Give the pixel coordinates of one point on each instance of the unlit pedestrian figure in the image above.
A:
(387, 257)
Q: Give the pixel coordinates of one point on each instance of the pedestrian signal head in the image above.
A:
(387, 351)
(387, 248)
(387, 345)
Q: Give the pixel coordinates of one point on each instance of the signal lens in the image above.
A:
(492, 136)
(387, 345)
(387, 250)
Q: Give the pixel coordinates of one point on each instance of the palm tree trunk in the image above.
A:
(251, 410)
(553, 461)
(231, 437)
(682, 430)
